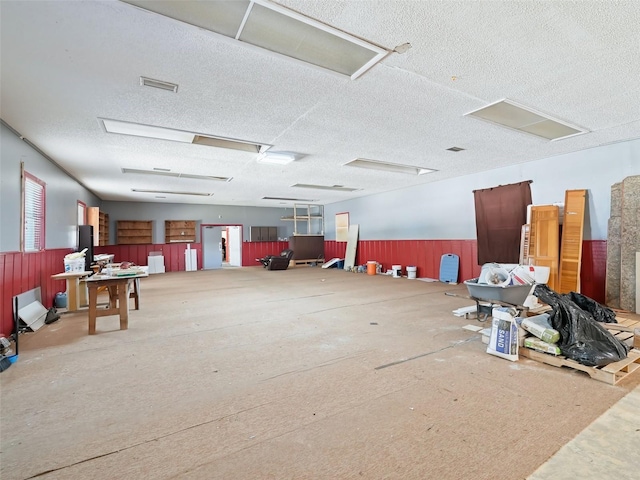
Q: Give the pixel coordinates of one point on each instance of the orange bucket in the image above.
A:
(371, 267)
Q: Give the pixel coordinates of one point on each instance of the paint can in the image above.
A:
(411, 272)
(372, 266)
(396, 271)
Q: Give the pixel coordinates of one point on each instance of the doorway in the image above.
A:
(212, 246)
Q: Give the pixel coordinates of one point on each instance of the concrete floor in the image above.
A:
(304, 373)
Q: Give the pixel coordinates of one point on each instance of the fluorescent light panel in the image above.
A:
(509, 114)
(388, 167)
(162, 133)
(338, 188)
(168, 173)
(140, 190)
(277, 29)
(306, 200)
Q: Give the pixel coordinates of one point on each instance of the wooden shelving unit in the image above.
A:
(179, 231)
(307, 219)
(100, 223)
(103, 229)
(131, 232)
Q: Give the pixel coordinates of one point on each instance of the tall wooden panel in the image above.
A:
(571, 247)
(544, 240)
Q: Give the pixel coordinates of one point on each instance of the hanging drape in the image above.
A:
(500, 213)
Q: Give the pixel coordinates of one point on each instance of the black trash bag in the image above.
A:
(581, 338)
(599, 312)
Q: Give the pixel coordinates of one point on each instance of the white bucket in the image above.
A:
(411, 272)
(74, 265)
(396, 271)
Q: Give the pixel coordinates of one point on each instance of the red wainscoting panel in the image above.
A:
(174, 260)
(20, 272)
(593, 273)
(253, 250)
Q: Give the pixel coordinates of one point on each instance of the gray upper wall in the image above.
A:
(62, 195)
(440, 210)
(445, 209)
(203, 214)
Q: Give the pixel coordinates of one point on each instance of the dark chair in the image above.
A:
(277, 262)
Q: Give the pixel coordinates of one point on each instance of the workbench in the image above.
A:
(120, 288)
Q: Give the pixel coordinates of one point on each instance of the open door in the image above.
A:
(234, 246)
(211, 247)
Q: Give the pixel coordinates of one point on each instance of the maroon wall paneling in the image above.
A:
(253, 250)
(593, 273)
(20, 272)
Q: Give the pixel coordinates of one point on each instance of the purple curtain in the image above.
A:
(500, 213)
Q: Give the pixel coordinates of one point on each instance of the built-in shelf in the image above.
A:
(179, 231)
(100, 223)
(132, 232)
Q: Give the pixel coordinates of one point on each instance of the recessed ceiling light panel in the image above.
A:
(388, 166)
(509, 114)
(337, 188)
(162, 133)
(277, 158)
(277, 29)
(167, 173)
(198, 194)
(301, 200)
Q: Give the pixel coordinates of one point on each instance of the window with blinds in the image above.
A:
(33, 214)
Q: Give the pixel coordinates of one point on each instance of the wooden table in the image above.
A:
(121, 289)
(73, 287)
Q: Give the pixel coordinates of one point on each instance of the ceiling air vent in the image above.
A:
(455, 149)
(523, 119)
(150, 82)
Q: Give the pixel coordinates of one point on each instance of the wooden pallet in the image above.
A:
(317, 261)
(627, 330)
(611, 374)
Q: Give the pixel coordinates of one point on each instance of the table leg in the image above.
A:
(93, 304)
(136, 293)
(72, 294)
(123, 300)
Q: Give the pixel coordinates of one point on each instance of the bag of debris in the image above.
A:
(581, 338)
(599, 312)
(540, 327)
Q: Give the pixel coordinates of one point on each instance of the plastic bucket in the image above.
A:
(396, 271)
(61, 300)
(74, 264)
(498, 276)
(372, 267)
(411, 272)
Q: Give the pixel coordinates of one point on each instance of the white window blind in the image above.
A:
(33, 215)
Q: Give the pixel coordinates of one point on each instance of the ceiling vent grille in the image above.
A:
(150, 82)
(168, 173)
(523, 119)
(455, 149)
(276, 29)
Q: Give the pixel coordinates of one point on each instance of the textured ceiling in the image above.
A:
(66, 64)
